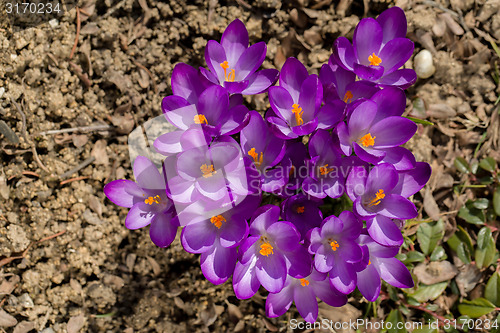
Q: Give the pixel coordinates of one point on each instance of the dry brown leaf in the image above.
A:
(435, 272)
(179, 303)
(76, 286)
(439, 28)
(6, 320)
(209, 315)
(467, 279)
(130, 261)
(95, 205)
(87, 10)
(154, 265)
(430, 205)
(143, 79)
(441, 111)
(90, 28)
(8, 133)
(8, 286)
(75, 324)
(233, 311)
(79, 140)
(24, 327)
(270, 327)
(4, 188)
(452, 24)
(298, 17)
(99, 152)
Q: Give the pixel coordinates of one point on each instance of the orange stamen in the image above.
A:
(229, 77)
(304, 282)
(208, 170)
(300, 209)
(266, 249)
(348, 96)
(297, 111)
(258, 159)
(325, 170)
(367, 140)
(369, 262)
(217, 220)
(378, 197)
(334, 245)
(200, 119)
(151, 200)
(374, 60)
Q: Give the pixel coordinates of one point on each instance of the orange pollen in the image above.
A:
(151, 200)
(208, 171)
(266, 249)
(368, 140)
(325, 170)
(258, 159)
(369, 262)
(378, 197)
(334, 245)
(217, 220)
(348, 96)
(292, 171)
(228, 76)
(200, 119)
(300, 209)
(304, 282)
(297, 111)
(374, 60)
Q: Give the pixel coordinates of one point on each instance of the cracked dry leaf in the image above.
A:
(435, 272)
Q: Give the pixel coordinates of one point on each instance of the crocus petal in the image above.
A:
(349, 251)
(351, 225)
(306, 128)
(402, 78)
(245, 282)
(234, 40)
(292, 74)
(237, 119)
(399, 157)
(214, 187)
(169, 143)
(281, 129)
(392, 132)
(372, 156)
(306, 303)
(140, 215)
(250, 61)
(384, 231)
(344, 53)
(395, 273)
(259, 81)
(343, 277)
(370, 73)
(395, 53)
(213, 103)
(323, 261)
(299, 262)
(381, 177)
(187, 83)
(369, 283)
(236, 87)
(263, 218)
(345, 140)
(390, 101)
(278, 304)
(281, 101)
(163, 229)
(367, 39)
(393, 23)
(395, 206)
(361, 118)
(311, 95)
(218, 263)
(147, 175)
(331, 296)
(198, 237)
(122, 192)
(252, 135)
(233, 231)
(214, 56)
(411, 181)
(271, 271)
(360, 209)
(247, 250)
(313, 188)
(273, 180)
(330, 114)
(355, 183)
(178, 111)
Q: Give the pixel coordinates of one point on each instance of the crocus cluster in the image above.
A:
(254, 192)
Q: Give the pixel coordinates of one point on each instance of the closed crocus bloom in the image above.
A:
(233, 64)
(303, 212)
(304, 292)
(147, 200)
(379, 49)
(188, 83)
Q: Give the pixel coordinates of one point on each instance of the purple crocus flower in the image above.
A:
(325, 178)
(382, 195)
(271, 251)
(374, 132)
(233, 64)
(175, 142)
(335, 249)
(304, 292)
(296, 103)
(147, 200)
(213, 111)
(188, 83)
(379, 49)
(303, 212)
(379, 262)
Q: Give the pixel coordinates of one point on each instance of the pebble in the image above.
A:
(2, 91)
(54, 23)
(25, 300)
(423, 64)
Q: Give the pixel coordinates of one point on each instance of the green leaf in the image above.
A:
(426, 293)
(460, 236)
(461, 165)
(412, 256)
(426, 329)
(429, 234)
(476, 308)
(495, 324)
(492, 290)
(496, 201)
(485, 251)
(438, 254)
(488, 164)
(394, 318)
(463, 253)
(483, 236)
(471, 214)
(482, 203)
(420, 121)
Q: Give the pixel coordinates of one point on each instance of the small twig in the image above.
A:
(155, 87)
(112, 172)
(50, 237)
(73, 180)
(78, 167)
(244, 4)
(83, 129)
(78, 23)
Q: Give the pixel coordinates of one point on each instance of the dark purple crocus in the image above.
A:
(303, 212)
(335, 249)
(325, 178)
(379, 262)
(379, 49)
(213, 112)
(381, 195)
(296, 103)
(271, 251)
(147, 200)
(188, 83)
(234, 65)
(374, 132)
(304, 292)
(295, 157)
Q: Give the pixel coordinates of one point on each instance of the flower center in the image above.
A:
(325, 170)
(368, 140)
(292, 171)
(297, 111)
(304, 282)
(334, 245)
(378, 197)
(217, 220)
(300, 209)
(200, 119)
(374, 60)
(348, 96)
(151, 200)
(257, 159)
(266, 249)
(369, 262)
(228, 76)
(208, 170)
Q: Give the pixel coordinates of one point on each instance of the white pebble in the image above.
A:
(2, 91)
(423, 64)
(54, 23)
(13, 56)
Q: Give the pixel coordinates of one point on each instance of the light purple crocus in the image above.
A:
(375, 129)
(335, 249)
(234, 65)
(326, 177)
(296, 103)
(379, 263)
(304, 292)
(303, 212)
(381, 195)
(379, 49)
(147, 200)
(271, 251)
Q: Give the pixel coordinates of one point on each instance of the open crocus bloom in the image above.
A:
(233, 64)
(296, 103)
(147, 200)
(379, 49)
